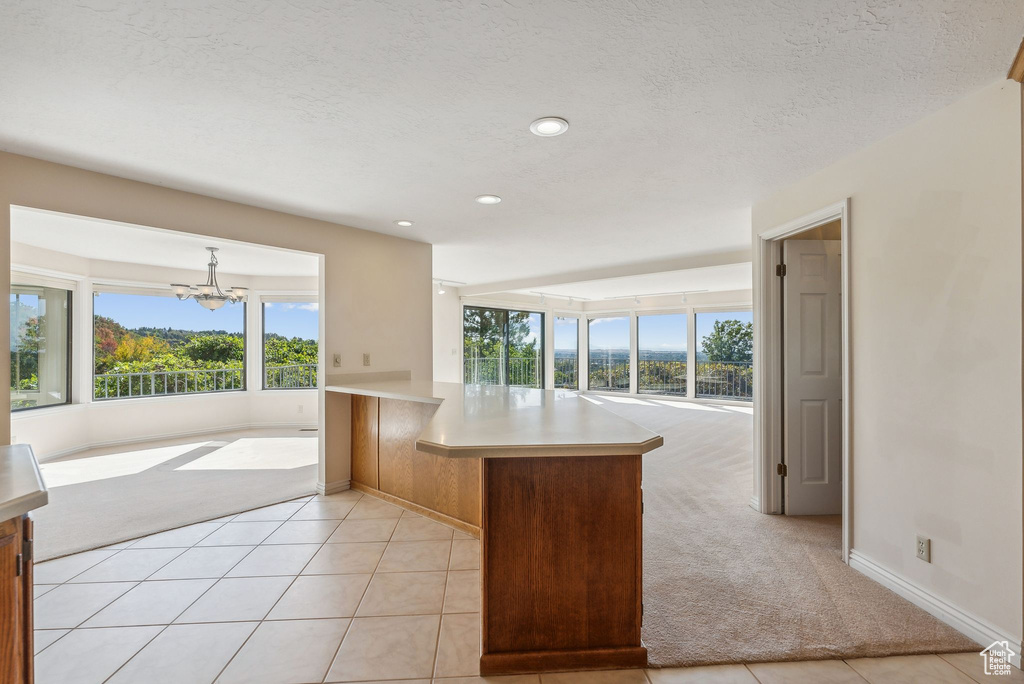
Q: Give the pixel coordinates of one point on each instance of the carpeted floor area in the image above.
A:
(103, 496)
(725, 584)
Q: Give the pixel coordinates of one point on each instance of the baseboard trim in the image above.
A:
(443, 518)
(172, 435)
(961, 620)
(323, 489)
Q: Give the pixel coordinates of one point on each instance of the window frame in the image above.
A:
(688, 318)
(27, 280)
(265, 299)
(554, 322)
(542, 348)
(99, 288)
(630, 317)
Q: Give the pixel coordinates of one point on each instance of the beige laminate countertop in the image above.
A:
(21, 484)
(493, 421)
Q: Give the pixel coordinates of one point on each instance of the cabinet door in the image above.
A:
(12, 643)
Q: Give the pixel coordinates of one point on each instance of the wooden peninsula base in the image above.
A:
(550, 483)
(562, 565)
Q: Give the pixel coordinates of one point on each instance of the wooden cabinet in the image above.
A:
(385, 462)
(16, 601)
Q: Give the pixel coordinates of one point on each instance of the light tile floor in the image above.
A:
(343, 588)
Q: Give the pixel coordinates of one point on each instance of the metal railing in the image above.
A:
(609, 375)
(519, 372)
(163, 383)
(567, 373)
(728, 380)
(658, 376)
(295, 376)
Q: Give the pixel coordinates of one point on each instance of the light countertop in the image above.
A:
(493, 421)
(21, 483)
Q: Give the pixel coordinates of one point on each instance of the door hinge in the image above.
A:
(780, 270)
(782, 469)
(26, 549)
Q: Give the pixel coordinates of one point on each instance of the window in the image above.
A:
(290, 347)
(725, 344)
(40, 346)
(609, 354)
(152, 344)
(661, 354)
(567, 352)
(503, 347)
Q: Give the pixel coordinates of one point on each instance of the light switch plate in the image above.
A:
(337, 360)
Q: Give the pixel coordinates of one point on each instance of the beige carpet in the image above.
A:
(724, 584)
(104, 496)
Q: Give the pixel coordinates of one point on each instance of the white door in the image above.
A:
(812, 377)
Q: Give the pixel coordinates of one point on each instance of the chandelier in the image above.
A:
(209, 295)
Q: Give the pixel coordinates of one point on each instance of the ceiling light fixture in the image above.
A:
(549, 126)
(404, 223)
(488, 199)
(209, 295)
(440, 287)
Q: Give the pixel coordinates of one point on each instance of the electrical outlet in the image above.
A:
(366, 359)
(301, 408)
(337, 360)
(924, 549)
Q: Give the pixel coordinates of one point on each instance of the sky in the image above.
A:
(150, 311)
(658, 332)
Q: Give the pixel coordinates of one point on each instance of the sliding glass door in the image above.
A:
(661, 354)
(503, 347)
(609, 354)
(567, 353)
(725, 355)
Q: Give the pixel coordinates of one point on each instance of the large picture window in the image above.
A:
(149, 345)
(40, 346)
(503, 347)
(609, 354)
(567, 352)
(661, 354)
(725, 355)
(290, 347)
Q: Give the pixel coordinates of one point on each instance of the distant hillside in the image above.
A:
(175, 336)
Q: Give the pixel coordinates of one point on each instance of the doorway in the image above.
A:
(802, 393)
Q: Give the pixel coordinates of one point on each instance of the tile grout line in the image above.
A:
(440, 620)
(361, 596)
(260, 622)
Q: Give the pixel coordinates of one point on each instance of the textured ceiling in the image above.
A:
(682, 112)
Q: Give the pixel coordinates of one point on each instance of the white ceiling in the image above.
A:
(682, 112)
(112, 241)
(711, 279)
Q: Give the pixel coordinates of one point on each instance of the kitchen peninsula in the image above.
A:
(549, 482)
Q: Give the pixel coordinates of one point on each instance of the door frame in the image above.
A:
(768, 407)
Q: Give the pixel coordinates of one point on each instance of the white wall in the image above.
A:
(447, 336)
(935, 271)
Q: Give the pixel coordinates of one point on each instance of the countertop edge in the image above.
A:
(363, 392)
(35, 494)
(540, 450)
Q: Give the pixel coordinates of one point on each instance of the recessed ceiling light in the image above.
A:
(488, 199)
(403, 223)
(549, 126)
